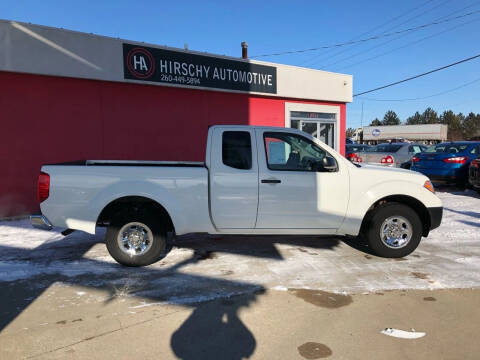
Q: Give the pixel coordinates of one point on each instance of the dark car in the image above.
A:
(352, 150)
(474, 174)
(447, 162)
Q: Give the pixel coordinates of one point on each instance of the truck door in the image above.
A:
(233, 178)
(295, 190)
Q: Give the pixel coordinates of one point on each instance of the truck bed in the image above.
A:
(130, 163)
(79, 191)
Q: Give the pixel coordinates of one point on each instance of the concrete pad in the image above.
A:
(241, 296)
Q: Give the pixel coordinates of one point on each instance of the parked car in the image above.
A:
(393, 155)
(351, 151)
(474, 174)
(447, 163)
(255, 180)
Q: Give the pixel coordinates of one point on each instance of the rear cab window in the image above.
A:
(384, 148)
(237, 149)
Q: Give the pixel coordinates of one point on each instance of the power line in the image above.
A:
(388, 41)
(406, 45)
(419, 75)
(424, 97)
(346, 49)
(370, 38)
(315, 57)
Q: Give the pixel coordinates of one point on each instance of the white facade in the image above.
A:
(43, 50)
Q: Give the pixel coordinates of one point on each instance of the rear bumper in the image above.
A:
(40, 222)
(436, 214)
(474, 177)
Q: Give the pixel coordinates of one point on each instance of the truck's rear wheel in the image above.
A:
(393, 230)
(136, 239)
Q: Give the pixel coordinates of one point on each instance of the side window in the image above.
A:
(475, 150)
(237, 149)
(291, 152)
(415, 149)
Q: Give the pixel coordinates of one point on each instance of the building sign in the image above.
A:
(181, 68)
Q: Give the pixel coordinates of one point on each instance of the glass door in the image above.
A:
(310, 127)
(319, 125)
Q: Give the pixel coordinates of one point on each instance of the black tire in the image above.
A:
(157, 245)
(375, 221)
(461, 185)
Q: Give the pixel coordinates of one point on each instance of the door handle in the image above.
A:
(271, 181)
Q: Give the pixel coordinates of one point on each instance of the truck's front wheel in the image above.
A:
(394, 230)
(136, 239)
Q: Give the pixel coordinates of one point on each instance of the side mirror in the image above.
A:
(329, 163)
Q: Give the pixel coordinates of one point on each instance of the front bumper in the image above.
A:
(436, 214)
(40, 222)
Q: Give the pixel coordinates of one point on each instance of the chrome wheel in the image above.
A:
(396, 232)
(135, 238)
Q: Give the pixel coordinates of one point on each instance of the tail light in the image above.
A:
(354, 157)
(475, 163)
(387, 160)
(415, 159)
(43, 186)
(456, 160)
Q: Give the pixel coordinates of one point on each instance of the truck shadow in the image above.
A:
(213, 330)
(261, 246)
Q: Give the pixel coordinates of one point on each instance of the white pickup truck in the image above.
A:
(255, 180)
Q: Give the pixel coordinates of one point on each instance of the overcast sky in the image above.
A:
(278, 26)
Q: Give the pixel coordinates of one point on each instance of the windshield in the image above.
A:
(447, 148)
(357, 148)
(391, 148)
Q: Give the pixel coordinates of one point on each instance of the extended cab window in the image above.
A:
(237, 149)
(292, 152)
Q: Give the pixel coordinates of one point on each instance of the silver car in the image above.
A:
(394, 154)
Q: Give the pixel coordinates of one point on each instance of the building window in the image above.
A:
(237, 149)
(318, 124)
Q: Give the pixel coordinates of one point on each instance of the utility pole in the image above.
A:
(361, 117)
(361, 125)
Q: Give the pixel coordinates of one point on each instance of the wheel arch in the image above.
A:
(133, 202)
(416, 205)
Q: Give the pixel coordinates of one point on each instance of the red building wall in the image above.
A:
(53, 119)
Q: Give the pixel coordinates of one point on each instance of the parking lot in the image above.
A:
(222, 295)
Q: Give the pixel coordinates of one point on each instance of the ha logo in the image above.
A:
(140, 63)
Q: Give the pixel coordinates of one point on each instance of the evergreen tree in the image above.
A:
(415, 119)
(454, 123)
(376, 122)
(471, 126)
(391, 118)
(429, 116)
